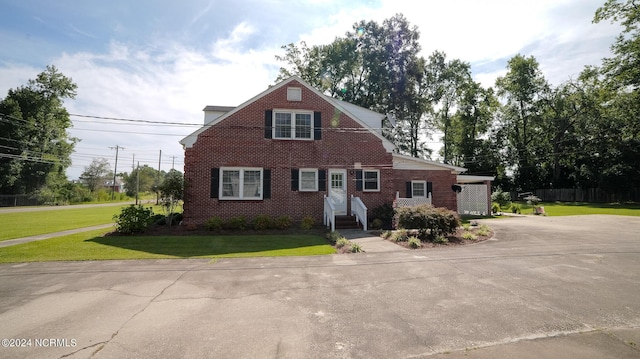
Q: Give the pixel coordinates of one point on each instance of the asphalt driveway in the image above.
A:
(544, 287)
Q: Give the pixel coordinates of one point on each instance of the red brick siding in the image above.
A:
(238, 141)
(443, 195)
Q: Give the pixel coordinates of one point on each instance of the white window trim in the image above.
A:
(241, 184)
(315, 170)
(293, 124)
(364, 181)
(424, 183)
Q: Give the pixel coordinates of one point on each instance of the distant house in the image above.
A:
(108, 184)
(294, 151)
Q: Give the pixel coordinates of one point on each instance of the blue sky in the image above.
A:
(166, 60)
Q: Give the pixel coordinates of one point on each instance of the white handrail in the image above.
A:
(329, 213)
(359, 210)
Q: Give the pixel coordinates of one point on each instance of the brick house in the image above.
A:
(293, 151)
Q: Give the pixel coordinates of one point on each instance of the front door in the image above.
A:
(338, 189)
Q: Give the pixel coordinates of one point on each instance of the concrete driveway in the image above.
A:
(545, 287)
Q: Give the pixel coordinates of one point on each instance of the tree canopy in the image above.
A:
(36, 146)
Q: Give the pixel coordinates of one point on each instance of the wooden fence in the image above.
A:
(594, 195)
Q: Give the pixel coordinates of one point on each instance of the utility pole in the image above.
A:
(173, 161)
(158, 179)
(115, 171)
(137, 182)
(133, 162)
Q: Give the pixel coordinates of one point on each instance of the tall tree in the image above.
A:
(146, 183)
(35, 145)
(95, 173)
(523, 90)
(374, 66)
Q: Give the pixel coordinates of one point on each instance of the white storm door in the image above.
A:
(338, 189)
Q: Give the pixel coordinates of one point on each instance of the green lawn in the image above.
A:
(25, 224)
(94, 246)
(573, 209)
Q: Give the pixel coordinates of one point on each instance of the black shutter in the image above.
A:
(317, 125)
(358, 180)
(409, 190)
(215, 182)
(295, 174)
(268, 123)
(322, 180)
(266, 183)
(429, 188)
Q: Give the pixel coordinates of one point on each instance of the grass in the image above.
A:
(25, 224)
(94, 246)
(573, 209)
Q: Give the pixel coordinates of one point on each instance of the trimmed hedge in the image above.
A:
(432, 222)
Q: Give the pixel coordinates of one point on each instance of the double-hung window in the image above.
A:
(308, 180)
(241, 183)
(294, 125)
(419, 189)
(371, 180)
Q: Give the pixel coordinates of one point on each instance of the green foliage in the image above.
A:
(383, 213)
(133, 219)
(355, 248)
(431, 221)
(440, 239)
(307, 223)
(35, 143)
(483, 231)
(386, 234)
(414, 242)
(148, 181)
(171, 190)
(214, 223)
(503, 199)
(283, 222)
(495, 207)
(342, 242)
(333, 237)
(237, 223)
(466, 226)
(516, 208)
(376, 223)
(95, 174)
(469, 236)
(262, 222)
(400, 235)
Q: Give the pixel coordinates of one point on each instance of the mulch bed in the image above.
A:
(454, 240)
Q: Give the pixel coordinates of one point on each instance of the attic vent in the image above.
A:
(294, 94)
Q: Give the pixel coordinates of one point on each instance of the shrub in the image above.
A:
(283, 222)
(237, 223)
(262, 222)
(385, 214)
(355, 248)
(501, 198)
(401, 235)
(307, 223)
(342, 242)
(466, 226)
(431, 221)
(469, 236)
(386, 234)
(515, 208)
(440, 239)
(495, 207)
(213, 224)
(133, 219)
(333, 237)
(414, 242)
(376, 223)
(483, 231)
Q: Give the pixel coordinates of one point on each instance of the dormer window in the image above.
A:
(294, 94)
